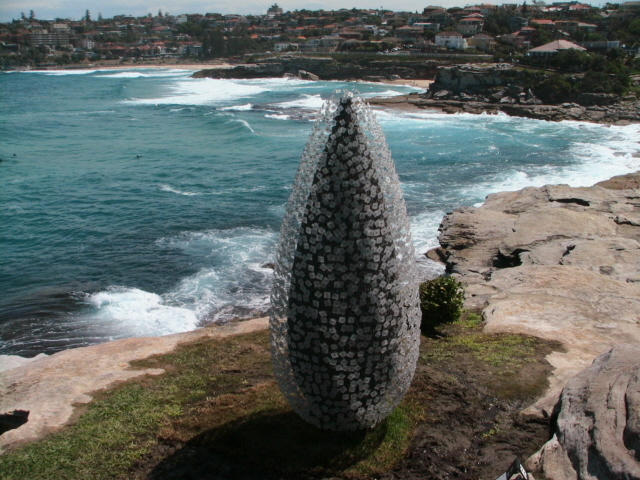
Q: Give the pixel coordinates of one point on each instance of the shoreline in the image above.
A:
(123, 66)
(621, 113)
(410, 82)
(624, 112)
(546, 261)
(52, 387)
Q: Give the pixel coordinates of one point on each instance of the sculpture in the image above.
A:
(345, 319)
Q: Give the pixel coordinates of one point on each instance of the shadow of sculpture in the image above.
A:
(272, 444)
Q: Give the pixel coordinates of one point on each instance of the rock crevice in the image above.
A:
(556, 262)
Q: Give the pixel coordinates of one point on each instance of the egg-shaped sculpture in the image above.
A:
(345, 317)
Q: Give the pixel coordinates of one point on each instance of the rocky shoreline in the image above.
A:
(468, 88)
(555, 262)
(50, 387)
(362, 67)
(493, 88)
(563, 264)
(624, 112)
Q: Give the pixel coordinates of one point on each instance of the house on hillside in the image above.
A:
(453, 40)
(543, 23)
(428, 26)
(482, 41)
(471, 25)
(554, 47)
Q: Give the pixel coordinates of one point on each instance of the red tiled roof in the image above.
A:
(542, 21)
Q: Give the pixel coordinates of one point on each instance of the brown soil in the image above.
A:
(465, 403)
(474, 428)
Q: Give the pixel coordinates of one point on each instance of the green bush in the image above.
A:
(441, 301)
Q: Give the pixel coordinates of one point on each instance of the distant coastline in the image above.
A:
(113, 65)
(106, 65)
(623, 111)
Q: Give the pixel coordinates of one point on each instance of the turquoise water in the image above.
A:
(144, 202)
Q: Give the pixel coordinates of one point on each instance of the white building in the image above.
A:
(452, 40)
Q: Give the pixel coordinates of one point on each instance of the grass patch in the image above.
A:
(218, 409)
(504, 357)
(470, 320)
(217, 396)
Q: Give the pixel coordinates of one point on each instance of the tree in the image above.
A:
(32, 15)
(87, 16)
(99, 16)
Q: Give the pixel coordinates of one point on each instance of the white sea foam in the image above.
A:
(310, 102)
(384, 93)
(202, 91)
(238, 108)
(235, 282)
(146, 73)
(245, 124)
(424, 230)
(275, 83)
(123, 75)
(277, 116)
(169, 188)
(62, 72)
(134, 312)
(595, 161)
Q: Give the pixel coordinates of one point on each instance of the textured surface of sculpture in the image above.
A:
(345, 316)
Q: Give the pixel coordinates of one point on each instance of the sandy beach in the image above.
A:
(419, 83)
(129, 66)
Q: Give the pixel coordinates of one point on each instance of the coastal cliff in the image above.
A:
(337, 67)
(516, 91)
(555, 262)
(562, 264)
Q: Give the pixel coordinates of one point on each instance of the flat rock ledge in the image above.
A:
(597, 430)
(50, 386)
(555, 262)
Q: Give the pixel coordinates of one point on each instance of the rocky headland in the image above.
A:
(563, 264)
(337, 67)
(472, 88)
(493, 88)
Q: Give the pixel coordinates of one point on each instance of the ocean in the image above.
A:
(144, 202)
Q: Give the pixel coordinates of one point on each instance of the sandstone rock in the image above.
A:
(437, 254)
(50, 386)
(621, 182)
(7, 362)
(304, 75)
(326, 68)
(620, 113)
(556, 262)
(586, 311)
(598, 422)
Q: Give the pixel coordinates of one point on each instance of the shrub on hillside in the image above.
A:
(441, 301)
